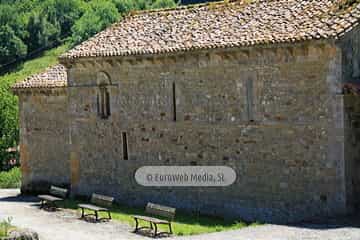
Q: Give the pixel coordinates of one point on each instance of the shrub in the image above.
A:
(10, 179)
(11, 46)
(163, 4)
(125, 6)
(5, 225)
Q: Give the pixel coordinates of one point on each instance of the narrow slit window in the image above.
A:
(125, 146)
(174, 101)
(98, 104)
(249, 97)
(107, 98)
(103, 102)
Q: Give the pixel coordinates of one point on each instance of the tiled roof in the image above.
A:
(52, 77)
(222, 25)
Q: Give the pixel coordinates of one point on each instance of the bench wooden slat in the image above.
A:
(160, 210)
(101, 200)
(49, 198)
(92, 207)
(150, 219)
(57, 191)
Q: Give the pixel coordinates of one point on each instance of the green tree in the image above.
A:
(9, 131)
(40, 32)
(63, 12)
(125, 6)
(11, 46)
(142, 4)
(98, 16)
(12, 33)
(10, 16)
(106, 10)
(163, 4)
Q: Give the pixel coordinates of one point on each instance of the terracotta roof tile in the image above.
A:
(53, 77)
(220, 25)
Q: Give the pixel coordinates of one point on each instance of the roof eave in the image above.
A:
(70, 61)
(19, 90)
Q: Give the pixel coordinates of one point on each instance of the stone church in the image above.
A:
(268, 88)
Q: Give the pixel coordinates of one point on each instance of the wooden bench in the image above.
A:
(99, 203)
(156, 210)
(55, 194)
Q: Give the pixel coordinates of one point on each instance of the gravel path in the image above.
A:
(65, 225)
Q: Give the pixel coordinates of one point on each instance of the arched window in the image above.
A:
(103, 95)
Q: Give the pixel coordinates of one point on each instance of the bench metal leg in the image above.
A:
(109, 214)
(96, 216)
(155, 233)
(151, 226)
(136, 224)
(41, 204)
(170, 228)
(82, 213)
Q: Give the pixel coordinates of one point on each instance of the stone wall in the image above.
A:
(273, 114)
(44, 134)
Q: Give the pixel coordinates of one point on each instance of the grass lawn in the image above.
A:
(184, 224)
(10, 179)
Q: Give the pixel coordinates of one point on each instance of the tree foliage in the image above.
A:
(98, 16)
(11, 46)
(12, 32)
(125, 6)
(163, 4)
(41, 32)
(63, 13)
(9, 130)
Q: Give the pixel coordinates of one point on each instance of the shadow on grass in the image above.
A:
(188, 224)
(184, 223)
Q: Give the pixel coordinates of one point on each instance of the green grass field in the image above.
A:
(37, 65)
(184, 224)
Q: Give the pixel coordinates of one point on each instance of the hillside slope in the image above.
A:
(34, 66)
